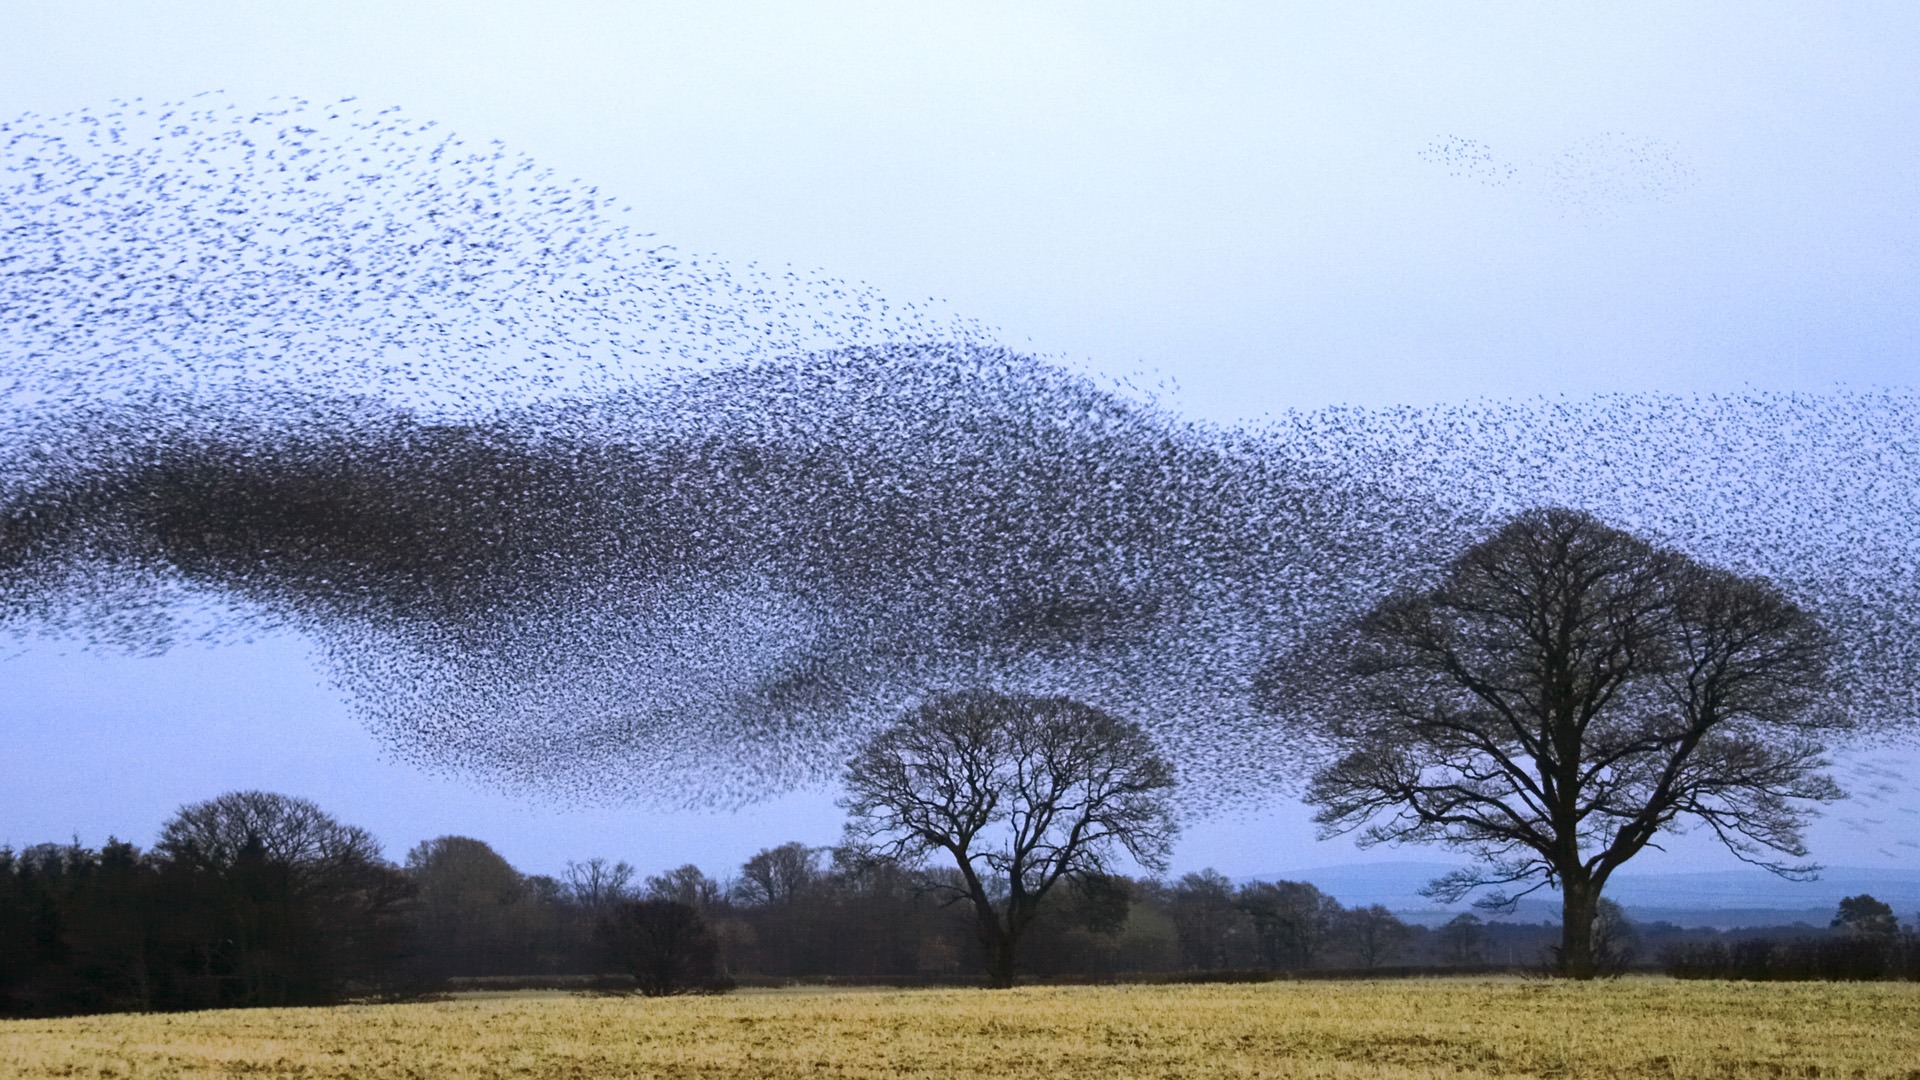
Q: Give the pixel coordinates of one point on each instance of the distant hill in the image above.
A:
(1720, 898)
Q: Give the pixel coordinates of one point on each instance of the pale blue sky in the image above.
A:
(1279, 206)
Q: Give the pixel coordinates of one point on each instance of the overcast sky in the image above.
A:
(1276, 206)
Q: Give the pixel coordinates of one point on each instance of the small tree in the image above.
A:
(1864, 916)
(300, 905)
(1205, 920)
(475, 912)
(783, 893)
(288, 831)
(1292, 920)
(599, 883)
(1563, 696)
(1463, 940)
(689, 885)
(1616, 944)
(1021, 792)
(1373, 934)
(664, 943)
(778, 876)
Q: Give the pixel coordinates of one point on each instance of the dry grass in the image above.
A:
(1414, 1028)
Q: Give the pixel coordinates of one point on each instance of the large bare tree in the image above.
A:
(1566, 694)
(1021, 792)
(287, 830)
(304, 905)
(779, 875)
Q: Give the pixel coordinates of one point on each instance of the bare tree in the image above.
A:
(1463, 940)
(598, 883)
(664, 943)
(1565, 695)
(1021, 792)
(688, 885)
(1616, 943)
(303, 904)
(474, 909)
(286, 830)
(778, 875)
(1205, 920)
(1373, 934)
(1292, 920)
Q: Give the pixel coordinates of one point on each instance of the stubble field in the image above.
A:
(1416, 1028)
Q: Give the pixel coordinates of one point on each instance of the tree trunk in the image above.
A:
(1000, 964)
(998, 938)
(1578, 898)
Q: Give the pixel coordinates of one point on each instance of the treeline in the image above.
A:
(257, 899)
(1867, 944)
(1798, 959)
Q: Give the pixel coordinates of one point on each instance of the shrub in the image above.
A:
(665, 944)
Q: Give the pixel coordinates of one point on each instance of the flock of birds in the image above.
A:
(568, 511)
(1593, 180)
(1470, 159)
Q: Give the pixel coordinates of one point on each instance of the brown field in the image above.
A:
(1408, 1028)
